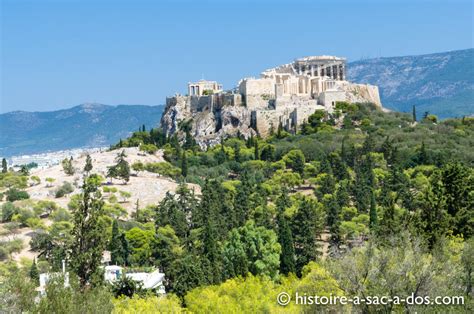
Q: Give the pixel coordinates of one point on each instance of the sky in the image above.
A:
(60, 53)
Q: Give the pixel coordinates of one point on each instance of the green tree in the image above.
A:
(121, 169)
(251, 249)
(4, 165)
(184, 165)
(285, 236)
(295, 160)
(67, 166)
(34, 274)
(118, 246)
(333, 220)
(88, 166)
(256, 150)
(458, 182)
(373, 212)
(241, 201)
(307, 224)
(88, 239)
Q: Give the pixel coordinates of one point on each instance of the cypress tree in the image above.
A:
(87, 233)
(279, 130)
(414, 113)
(305, 231)
(285, 236)
(34, 273)
(241, 202)
(115, 245)
(184, 165)
(257, 154)
(4, 166)
(333, 221)
(373, 211)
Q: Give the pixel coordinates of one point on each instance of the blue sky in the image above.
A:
(57, 54)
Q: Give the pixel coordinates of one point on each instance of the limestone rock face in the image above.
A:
(362, 93)
(208, 123)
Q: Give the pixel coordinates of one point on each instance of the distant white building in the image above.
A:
(112, 273)
(153, 280)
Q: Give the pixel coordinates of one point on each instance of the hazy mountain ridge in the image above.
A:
(87, 125)
(441, 83)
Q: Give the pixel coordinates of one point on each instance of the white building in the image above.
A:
(153, 280)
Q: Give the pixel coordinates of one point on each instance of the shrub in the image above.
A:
(66, 188)
(8, 210)
(148, 148)
(13, 194)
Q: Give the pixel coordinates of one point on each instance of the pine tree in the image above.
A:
(184, 165)
(88, 166)
(87, 233)
(121, 169)
(4, 165)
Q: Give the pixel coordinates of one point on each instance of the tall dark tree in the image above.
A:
(333, 220)
(256, 150)
(88, 238)
(342, 193)
(373, 212)
(4, 165)
(118, 246)
(184, 165)
(458, 183)
(121, 169)
(306, 228)
(339, 167)
(433, 215)
(34, 273)
(413, 113)
(285, 236)
(88, 166)
(241, 202)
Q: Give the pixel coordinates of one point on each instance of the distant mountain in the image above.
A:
(441, 83)
(87, 125)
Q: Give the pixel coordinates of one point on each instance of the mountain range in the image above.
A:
(438, 83)
(86, 125)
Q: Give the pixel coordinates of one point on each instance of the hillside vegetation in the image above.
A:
(357, 203)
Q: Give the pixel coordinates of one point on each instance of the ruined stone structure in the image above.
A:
(287, 94)
(203, 87)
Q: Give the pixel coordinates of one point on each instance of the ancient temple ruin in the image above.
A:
(287, 94)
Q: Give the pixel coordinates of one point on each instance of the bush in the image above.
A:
(13, 194)
(8, 210)
(66, 188)
(148, 148)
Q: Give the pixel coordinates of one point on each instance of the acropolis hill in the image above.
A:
(286, 95)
